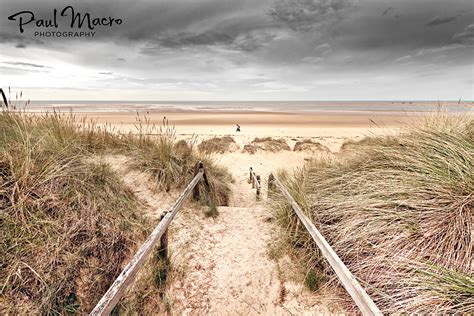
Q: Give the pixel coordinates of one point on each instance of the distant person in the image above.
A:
(238, 128)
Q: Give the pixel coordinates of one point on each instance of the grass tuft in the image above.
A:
(69, 224)
(218, 145)
(309, 145)
(266, 144)
(398, 210)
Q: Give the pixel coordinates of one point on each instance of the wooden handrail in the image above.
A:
(127, 276)
(350, 283)
(255, 180)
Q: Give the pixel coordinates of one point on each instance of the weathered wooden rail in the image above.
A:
(350, 283)
(127, 276)
(255, 180)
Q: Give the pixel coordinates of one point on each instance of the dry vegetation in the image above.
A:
(266, 144)
(69, 224)
(218, 145)
(399, 213)
(309, 145)
(354, 145)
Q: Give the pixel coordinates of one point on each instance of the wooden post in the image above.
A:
(163, 250)
(4, 97)
(250, 175)
(258, 185)
(271, 182)
(204, 176)
(196, 193)
(200, 167)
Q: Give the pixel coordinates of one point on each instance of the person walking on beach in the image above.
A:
(238, 128)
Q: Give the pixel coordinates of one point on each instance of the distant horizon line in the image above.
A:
(346, 100)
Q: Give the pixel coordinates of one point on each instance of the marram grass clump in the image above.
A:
(69, 224)
(399, 211)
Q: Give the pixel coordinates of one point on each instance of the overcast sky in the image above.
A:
(246, 50)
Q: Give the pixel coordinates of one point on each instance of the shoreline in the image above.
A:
(217, 118)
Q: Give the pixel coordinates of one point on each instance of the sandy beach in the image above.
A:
(226, 259)
(223, 264)
(329, 129)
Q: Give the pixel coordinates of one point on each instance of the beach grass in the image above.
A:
(267, 144)
(218, 145)
(309, 145)
(398, 210)
(69, 223)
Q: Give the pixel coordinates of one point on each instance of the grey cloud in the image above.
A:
(323, 49)
(440, 50)
(388, 10)
(190, 39)
(404, 60)
(17, 63)
(253, 41)
(9, 37)
(165, 42)
(370, 32)
(467, 36)
(392, 12)
(312, 59)
(18, 40)
(439, 20)
(20, 71)
(304, 15)
(246, 41)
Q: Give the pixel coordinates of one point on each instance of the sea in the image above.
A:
(342, 107)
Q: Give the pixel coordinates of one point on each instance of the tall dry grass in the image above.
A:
(68, 223)
(398, 210)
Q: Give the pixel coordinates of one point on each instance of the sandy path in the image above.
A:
(220, 266)
(227, 269)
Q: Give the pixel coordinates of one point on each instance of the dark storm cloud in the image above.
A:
(247, 41)
(248, 26)
(290, 41)
(438, 20)
(368, 31)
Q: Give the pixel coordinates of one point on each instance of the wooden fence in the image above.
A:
(118, 288)
(255, 180)
(352, 286)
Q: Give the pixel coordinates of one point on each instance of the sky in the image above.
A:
(243, 50)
